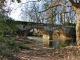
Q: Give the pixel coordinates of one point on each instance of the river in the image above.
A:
(40, 40)
(35, 38)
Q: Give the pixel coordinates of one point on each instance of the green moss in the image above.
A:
(60, 46)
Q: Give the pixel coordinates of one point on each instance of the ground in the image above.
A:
(39, 52)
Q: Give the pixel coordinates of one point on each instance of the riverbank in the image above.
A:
(39, 52)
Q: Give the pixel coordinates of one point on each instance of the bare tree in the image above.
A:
(59, 11)
(76, 6)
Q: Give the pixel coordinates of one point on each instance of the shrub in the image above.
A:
(60, 46)
(7, 45)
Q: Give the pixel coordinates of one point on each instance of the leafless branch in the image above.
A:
(54, 6)
(72, 2)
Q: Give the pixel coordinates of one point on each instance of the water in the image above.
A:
(37, 39)
(55, 43)
(40, 40)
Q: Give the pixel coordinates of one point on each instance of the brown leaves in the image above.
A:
(68, 53)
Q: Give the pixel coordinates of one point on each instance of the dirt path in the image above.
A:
(38, 52)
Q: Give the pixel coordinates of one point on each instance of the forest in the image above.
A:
(15, 43)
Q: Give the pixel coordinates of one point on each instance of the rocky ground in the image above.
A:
(38, 52)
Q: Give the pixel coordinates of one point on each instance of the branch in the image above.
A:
(53, 3)
(54, 6)
(73, 3)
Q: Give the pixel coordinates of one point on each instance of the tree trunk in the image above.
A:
(76, 6)
(78, 27)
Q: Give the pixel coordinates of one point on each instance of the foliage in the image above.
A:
(60, 46)
(5, 48)
(7, 45)
(7, 25)
(69, 24)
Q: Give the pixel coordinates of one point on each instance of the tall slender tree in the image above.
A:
(76, 6)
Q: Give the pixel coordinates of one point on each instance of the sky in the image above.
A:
(16, 10)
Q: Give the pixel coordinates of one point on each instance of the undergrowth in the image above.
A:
(60, 46)
(8, 47)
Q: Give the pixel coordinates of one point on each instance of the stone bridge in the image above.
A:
(47, 32)
(63, 34)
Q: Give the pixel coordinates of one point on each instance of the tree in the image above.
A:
(7, 24)
(76, 6)
(60, 12)
(50, 14)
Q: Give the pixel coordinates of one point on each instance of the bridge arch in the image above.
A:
(45, 35)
